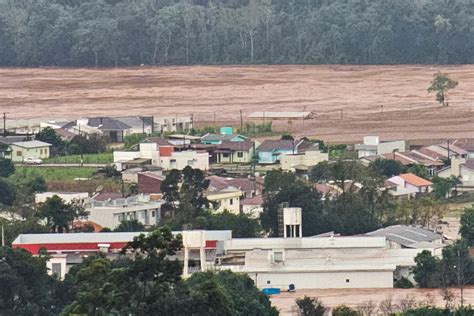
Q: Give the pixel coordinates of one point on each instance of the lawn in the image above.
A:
(103, 158)
(55, 174)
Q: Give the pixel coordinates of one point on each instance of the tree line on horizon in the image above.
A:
(106, 33)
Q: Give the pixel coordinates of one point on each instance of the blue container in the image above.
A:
(271, 291)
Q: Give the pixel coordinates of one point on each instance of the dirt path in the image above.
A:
(358, 91)
(285, 302)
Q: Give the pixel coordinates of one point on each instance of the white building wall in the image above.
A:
(68, 197)
(324, 280)
(309, 158)
(180, 160)
(390, 147)
(19, 154)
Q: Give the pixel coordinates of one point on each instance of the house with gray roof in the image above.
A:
(33, 148)
(217, 139)
(235, 152)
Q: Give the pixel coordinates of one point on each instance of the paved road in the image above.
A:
(66, 165)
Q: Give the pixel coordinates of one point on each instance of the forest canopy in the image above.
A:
(106, 33)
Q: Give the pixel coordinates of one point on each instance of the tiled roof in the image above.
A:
(107, 123)
(104, 196)
(256, 200)
(415, 180)
(270, 145)
(158, 140)
(245, 145)
(430, 153)
(217, 137)
(453, 148)
(153, 175)
(244, 184)
(135, 121)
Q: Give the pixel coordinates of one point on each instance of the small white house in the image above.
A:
(373, 146)
(29, 149)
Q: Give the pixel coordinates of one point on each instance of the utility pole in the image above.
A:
(215, 119)
(3, 236)
(4, 124)
(381, 109)
(241, 122)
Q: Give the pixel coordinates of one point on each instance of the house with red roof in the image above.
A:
(412, 182)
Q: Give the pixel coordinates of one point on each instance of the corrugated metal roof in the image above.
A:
(32, 144)
(406, 235)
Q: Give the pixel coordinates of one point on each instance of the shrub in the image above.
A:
(308, 306)
(403, 283)
(343, 310)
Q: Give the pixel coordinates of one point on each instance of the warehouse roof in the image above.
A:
(407, 236)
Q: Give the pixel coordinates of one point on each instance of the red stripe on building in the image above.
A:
(68, 247)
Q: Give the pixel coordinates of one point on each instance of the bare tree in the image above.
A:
(367, 308)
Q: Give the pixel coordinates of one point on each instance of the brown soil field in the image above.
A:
(331, 298)
(222, 91)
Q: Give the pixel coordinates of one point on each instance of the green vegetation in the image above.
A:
(121, 33)
(102, 158)
(441, 84)
(55, 174)
(308, 306)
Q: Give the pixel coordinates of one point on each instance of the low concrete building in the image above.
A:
(29, 149)
(373, 146)
(308, 158)
(160, 153)
(111, 212)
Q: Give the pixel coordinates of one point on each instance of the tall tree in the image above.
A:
(467, 226)
(441, 84)
(6, 167)
(60, 215)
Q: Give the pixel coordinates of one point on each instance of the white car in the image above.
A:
(32, 161)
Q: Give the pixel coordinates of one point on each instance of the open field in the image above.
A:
(103, 158)
(222, 91)
(56, 174)
(285, 302)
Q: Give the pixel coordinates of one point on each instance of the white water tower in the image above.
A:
(292, 222)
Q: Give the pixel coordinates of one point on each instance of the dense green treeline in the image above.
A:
(162, 32)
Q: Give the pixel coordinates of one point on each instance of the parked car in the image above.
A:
(32, 161)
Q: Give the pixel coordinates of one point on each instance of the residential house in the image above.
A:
(460, 168)
(33, 148)
(217, 139)
(173, 123)
(236, 194)
(159, 152)
(449, 150)
(109, 127)
(271, 151)
(112, 211)
(425, 157)
(138, 124)
(467, 144)
(235, 152)
(373, 146)
(412, 182)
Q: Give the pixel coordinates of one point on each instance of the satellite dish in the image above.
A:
(99, 188)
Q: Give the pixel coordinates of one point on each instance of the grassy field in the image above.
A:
(56, 174)
(103, 158)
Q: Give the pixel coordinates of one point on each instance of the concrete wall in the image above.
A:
(179, 160)
(19, 154)
(390, 147)
(309, 158)
(324, 280)
(124, 156)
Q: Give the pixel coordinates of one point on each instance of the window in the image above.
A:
(347, 280)
(231, 201)
(278, 256)
(268, 281)
(56, 269)
(225, 155)
(240, 154)
(153, 213)
(190, 162)
(18, 153)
